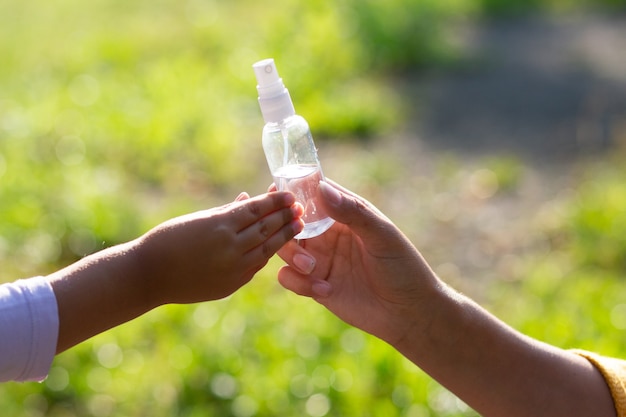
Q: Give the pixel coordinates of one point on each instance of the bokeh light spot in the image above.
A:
(317, 405)
(224, 385)
(110, 355)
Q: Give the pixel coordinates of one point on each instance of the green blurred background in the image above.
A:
(495, 148)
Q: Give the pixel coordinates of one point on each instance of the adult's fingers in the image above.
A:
(298, 257)
(354, 211)
(295, 282)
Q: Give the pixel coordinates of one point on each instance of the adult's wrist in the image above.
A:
(425, 321)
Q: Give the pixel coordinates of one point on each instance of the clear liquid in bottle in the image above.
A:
(303, 181)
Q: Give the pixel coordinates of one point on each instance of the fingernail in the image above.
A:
(330, 193)
(304, 263)
(322, 288)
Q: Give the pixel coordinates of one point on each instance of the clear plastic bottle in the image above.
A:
(289, 148)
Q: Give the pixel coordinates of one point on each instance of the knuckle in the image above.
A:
(263, 228)
(358, 207)
(266, 249)
(224, 233)
(255, 208)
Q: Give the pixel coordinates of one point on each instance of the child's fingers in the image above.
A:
(249, 211)
(268, 245)
(242, 196)
(260, 231)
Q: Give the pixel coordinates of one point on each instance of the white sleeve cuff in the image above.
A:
(29, 328)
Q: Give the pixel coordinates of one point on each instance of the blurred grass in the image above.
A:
(573, 290)
(115, 116)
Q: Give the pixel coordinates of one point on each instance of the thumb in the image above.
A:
(354, 211)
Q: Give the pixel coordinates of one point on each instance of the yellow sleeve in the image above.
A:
(614, 372)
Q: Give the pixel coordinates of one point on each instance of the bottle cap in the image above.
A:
(274, 98)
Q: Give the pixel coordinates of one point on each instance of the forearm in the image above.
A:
(97, 293)
(498, 371)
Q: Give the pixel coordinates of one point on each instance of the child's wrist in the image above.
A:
(144, 274)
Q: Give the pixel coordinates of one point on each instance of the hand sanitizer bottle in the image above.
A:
(289, 148)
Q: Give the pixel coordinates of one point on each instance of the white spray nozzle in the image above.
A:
(274, 98)
(267, 76)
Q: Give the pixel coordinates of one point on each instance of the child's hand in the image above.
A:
(197, 257)
(210, 254)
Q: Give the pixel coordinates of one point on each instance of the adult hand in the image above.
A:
(368, 273)
(363, 268)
